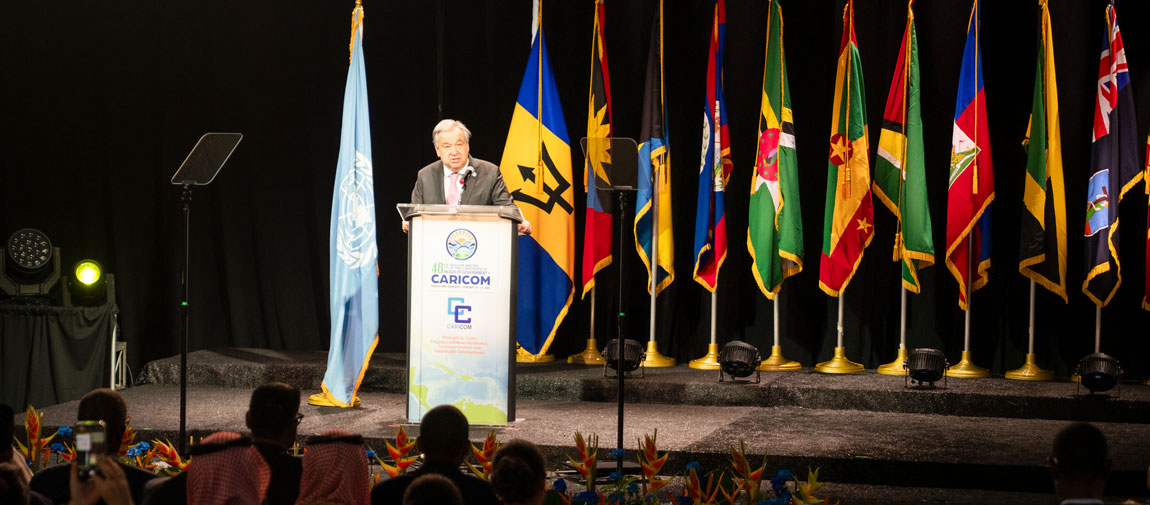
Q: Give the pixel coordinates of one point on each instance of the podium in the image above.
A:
(461, 263)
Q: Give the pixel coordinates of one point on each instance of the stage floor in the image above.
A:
(875, 440)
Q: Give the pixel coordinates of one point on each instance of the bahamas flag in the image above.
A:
(715, 165)
(354, 264)
(1114, 163)
(597, 233)
(536, 166)
(971, 186)
(1043, 237)
(848, 224)
(900, 170)
(775, 225)
(653, 198)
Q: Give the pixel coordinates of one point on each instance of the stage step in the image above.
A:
(680, 385)
(959, 457)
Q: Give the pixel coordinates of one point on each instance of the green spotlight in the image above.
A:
(88, 272)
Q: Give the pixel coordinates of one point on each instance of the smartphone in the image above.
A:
(90, 447)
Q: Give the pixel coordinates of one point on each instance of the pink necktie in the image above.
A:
(453, 189)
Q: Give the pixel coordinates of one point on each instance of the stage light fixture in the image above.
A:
(1099, 372)
(739, 359)
(89, 286)
(633, 355)
(925, 366)
(30, 267)
(88, 272)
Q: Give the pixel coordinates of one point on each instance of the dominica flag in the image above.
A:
(597, 234)
(1114, 165)
(536, 166)
(900, 170)
(354, 258)
(653, 196)
(715, 165)
(1042, 241)
(775, 225)
(848, 223)
(971, 186)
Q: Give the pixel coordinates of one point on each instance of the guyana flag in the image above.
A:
(900, 171)
(1114, 166)
(971, 186)
(536, 166)
(654, 237)
(597, 234)
(1042, 241)
(775, 226)
(848, 223)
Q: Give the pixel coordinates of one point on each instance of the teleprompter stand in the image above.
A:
(198, 169)
(615, 162)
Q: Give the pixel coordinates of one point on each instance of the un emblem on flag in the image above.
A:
(461, 244)
(355, 238)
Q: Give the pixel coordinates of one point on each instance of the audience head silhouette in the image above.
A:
(443, 435)
(272, 413)
(432, 489)
(13, 489)
(1080, 462)
(227, 470)
(334, 470)
(105, 405)
(518, 473)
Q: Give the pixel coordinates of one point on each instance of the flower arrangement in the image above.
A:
(484, 457)
(399, 455)
(651, 463)
(37, 451)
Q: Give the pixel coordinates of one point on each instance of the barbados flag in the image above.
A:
(715, 165)
(354, 264)
(971, 187)
(1114, 163)
(536, 166)
(655, 240)
(848, 224)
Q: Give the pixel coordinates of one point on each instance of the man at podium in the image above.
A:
(457, 178)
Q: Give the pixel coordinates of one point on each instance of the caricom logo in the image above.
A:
(459, 311)
(461, 244)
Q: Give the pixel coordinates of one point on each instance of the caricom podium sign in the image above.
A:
(461, 283)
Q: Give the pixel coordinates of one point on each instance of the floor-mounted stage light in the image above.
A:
(633, 355)
(89, 286)
(1099, 372)
(925, 366)
(30, 267)
(739, 359)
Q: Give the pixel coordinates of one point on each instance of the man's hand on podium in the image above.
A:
(524, 228)
(405, 226)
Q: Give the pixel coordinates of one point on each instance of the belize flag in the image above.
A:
(715, 165)
(354, 262)
(971, 186)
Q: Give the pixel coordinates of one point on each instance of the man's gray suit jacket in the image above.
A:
(484, 185)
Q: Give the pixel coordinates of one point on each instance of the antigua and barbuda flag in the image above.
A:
(354, 257)
(1114, 166)
(597, 232)
(715, 166)
(848, 222)
(900, 169)
(775, 225)
(536, 166)
(653, 195)
(971, 187)
(1042, 240)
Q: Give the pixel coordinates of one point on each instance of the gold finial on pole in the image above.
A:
(359, 3)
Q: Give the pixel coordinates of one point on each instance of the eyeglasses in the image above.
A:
(298, 419)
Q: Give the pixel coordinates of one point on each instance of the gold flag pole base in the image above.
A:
(1146, 382)
(654, 359)
(895, 367)
(1075, 378)
(589, 356)
(839, 364)
(1030, 371)
(534, 358)
(710, 361)
(778, 363)
(966, 369)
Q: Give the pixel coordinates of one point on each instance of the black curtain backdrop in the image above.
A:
(100, 102)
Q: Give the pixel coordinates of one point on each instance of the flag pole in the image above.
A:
(839, 363)
(590, 354)
(654, 358)
(896, 367)
(710, 361)
(965, 368)
(777, 362)
(1097, 328)
(1030, 371)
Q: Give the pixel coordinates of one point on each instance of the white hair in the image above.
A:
(447, 125)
